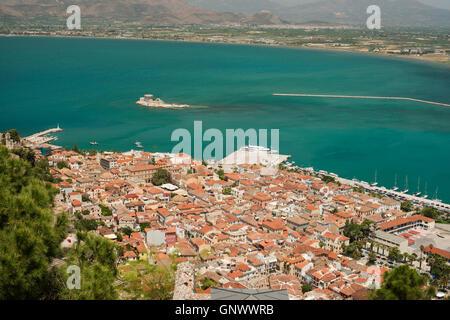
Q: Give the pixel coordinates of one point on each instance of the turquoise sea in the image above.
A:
(89, 87)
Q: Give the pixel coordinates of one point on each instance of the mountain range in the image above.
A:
(170, 12)
(394, 12)
(147, 12)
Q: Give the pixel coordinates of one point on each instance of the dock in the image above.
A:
(254, 155)
(40, 138)
(359, 97)
(397, 195)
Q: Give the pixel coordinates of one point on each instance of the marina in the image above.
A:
(403, 196)
(416, 198)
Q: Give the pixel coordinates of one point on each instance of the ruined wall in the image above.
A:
(184, 284)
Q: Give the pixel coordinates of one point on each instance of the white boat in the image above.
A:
(395, 185)
(138, 144)
(406, 186)
(375, 183)
(94, 143)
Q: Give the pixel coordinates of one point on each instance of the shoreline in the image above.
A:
(416, 58)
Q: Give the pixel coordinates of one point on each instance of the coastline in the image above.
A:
(416, 58)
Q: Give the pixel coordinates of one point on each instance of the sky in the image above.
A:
(436, 3)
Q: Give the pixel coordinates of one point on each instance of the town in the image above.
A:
(241, 226)
(417, 43)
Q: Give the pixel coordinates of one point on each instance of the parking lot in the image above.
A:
(437, 237)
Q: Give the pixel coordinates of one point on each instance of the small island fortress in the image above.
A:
(149, 100)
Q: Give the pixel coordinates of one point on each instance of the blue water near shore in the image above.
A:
(89, 87)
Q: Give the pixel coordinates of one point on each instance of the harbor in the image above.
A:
(374, 188)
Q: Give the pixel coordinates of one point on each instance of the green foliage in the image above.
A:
(406, 206)
(372, 258)
(160, 177)
(29, 233)
(357, 232)
(395, 254)
(375, 195)
(26, 154)
(86, 225)
(429, 212)
(306, 288)
(61, 164)
(221, 174)
(403, 283)
(150, 282)
(328, 179)
(127, 231)
(358, 189)
(439, 267)
(39, 167)
(97, 258)
(435, 214)
(144, 225)
(207, 283)
(14, 135)
(226, 191)
(353, 250)
(105, 210)
(75, 148)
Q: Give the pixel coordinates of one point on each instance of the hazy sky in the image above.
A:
(437, 3)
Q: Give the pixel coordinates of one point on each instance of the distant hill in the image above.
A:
(169, 12)
(151, 12)
(237, 6)
(394, 12)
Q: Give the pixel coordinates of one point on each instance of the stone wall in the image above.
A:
(184, 284)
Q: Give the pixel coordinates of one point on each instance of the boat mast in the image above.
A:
(395, 181)
(418, 185)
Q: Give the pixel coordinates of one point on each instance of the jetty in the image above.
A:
(40, 138)
(359, 97)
